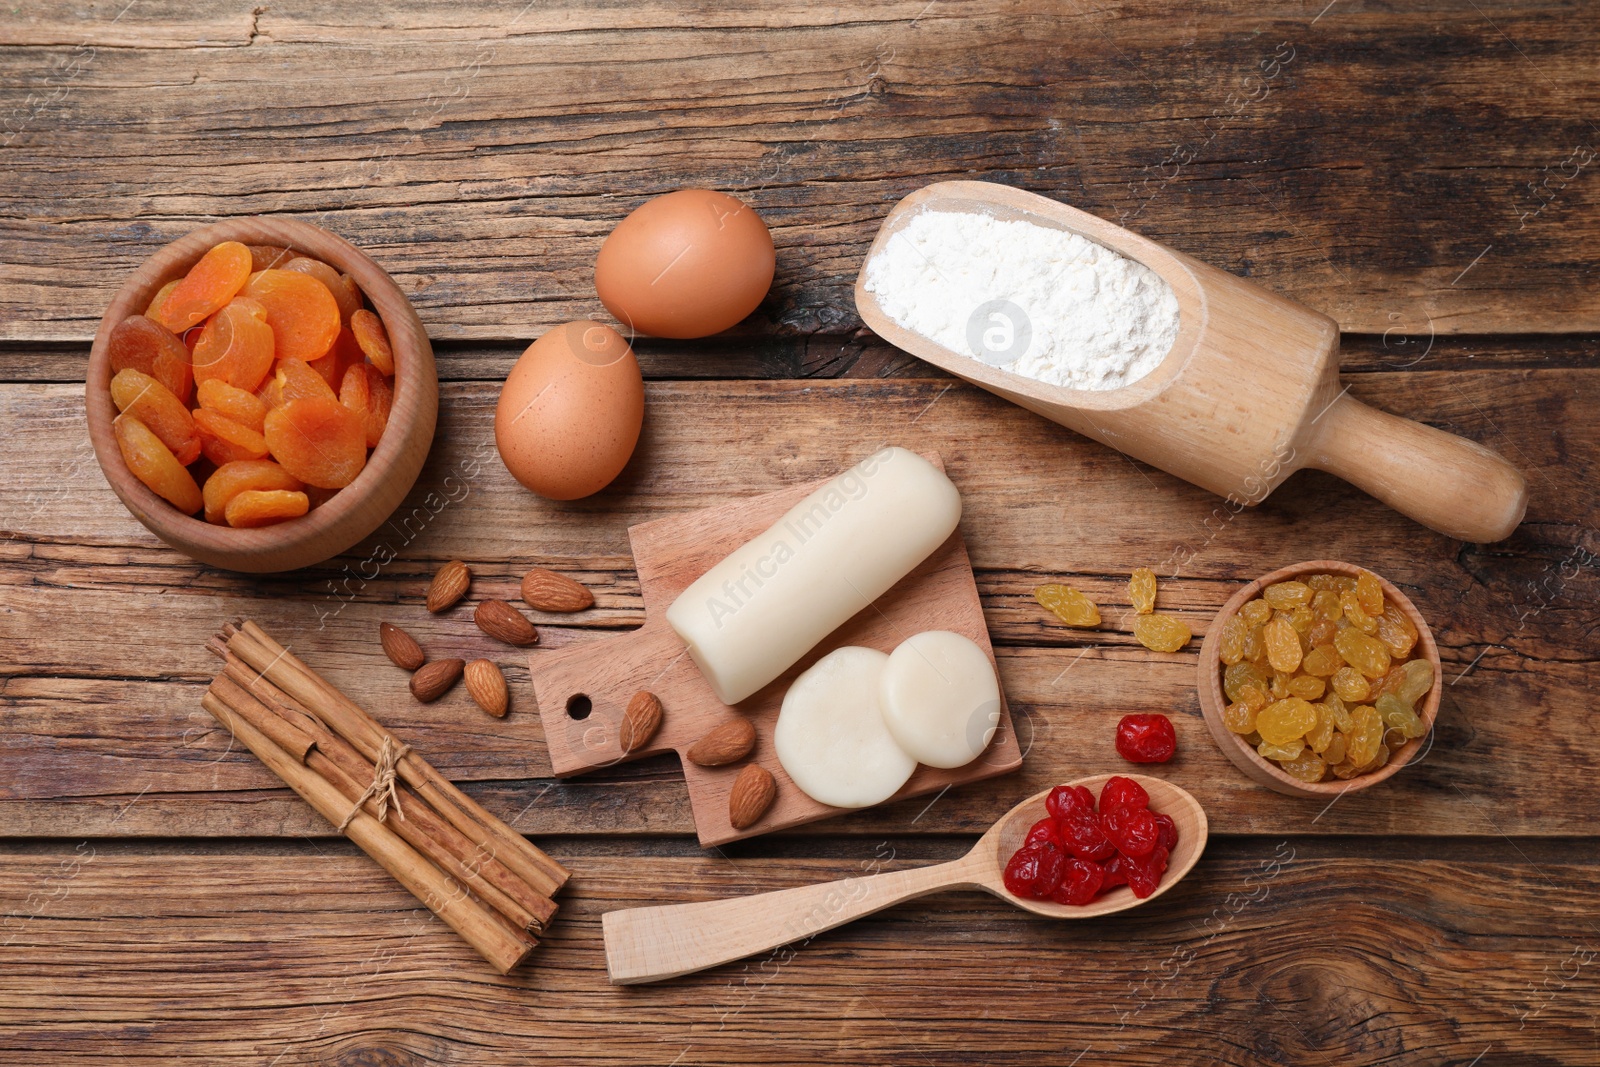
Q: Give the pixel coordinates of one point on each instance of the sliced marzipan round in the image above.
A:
(940, 698)
(830, 735)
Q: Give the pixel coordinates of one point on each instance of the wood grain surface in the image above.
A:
(1424, 174)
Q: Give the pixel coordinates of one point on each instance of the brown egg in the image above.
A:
(688, 264)
(570, 411)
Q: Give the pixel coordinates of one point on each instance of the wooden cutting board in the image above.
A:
(582, 689)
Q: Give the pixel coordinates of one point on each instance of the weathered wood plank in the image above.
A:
(1515, 620)
(864, 355)
(1486, 951)
(1427, 169)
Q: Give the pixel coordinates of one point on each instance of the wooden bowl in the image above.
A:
(1251, 762)
(354, 511)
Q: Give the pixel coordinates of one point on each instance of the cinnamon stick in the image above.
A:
(351, 722)
(485, 931)
(250, 694)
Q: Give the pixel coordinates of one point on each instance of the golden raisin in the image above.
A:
(1230, 643)
(1369, 591)
(1068, 605)
(1365, 654)
(1283, 645)
(1256, 612)
(1142, 590)
(1307, 687)
(1160, 633)
(1285, 720)
(1286, 596)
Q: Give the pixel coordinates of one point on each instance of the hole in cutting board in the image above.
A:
(579, 706)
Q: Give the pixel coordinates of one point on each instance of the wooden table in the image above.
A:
(1426, 176)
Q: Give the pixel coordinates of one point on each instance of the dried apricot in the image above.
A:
(317, 440)
(1160, 633)
(242, 407)
(265, 257)
(343, 354)
(208, 286)
(1142, 590)
(160, 298)
(136, 393)
(225, 441)
(235, 346)
(297, 380)
(263, 507)
(380, 390)
(374, 341)
(344, 290)
(1068, 605)
(231, 479)
(145, 345)
(302, 313)
(155, 465)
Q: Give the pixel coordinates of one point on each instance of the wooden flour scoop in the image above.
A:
(1248, 395)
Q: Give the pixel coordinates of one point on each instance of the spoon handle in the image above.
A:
(647, 944)
(1454, 485)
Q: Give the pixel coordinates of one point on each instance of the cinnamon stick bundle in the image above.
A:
(481, 877)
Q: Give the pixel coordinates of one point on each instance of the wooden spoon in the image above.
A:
(1248, 395)
(648, 944)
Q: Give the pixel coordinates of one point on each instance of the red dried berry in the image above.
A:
(1083, 836)
(1043, 832)
(1035, 871)
(1120, 792)
(1080, 882)
(1064, 798)
(1134, 831)
(1146, 738)
(1169, 830)
(1145, 874)
(1116, 872)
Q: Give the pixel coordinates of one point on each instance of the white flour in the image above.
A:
(1043, 303)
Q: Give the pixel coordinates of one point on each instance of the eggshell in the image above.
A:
(570, 411)
(688, 264)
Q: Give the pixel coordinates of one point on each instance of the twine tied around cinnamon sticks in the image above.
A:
(383, 786)
(488, 882)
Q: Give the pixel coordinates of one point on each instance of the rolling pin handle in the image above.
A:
(1449, 483)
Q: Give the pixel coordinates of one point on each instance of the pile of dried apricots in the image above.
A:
(290, 375)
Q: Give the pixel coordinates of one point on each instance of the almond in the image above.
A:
(487, 686)
(728, 743)
(433, 680)
(640, 721)
(449, 586)
(544, 590)
(401, 648)
(753, 793)
(505, 623)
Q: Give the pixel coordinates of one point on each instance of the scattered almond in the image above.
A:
(401, 648)
(544, 590)
(487, 686)
(449, 586)
(728, 743)
(753, 793)
(640, 721)
(433, 680)
(505, 623)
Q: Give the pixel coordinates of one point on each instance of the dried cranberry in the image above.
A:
(1145, 874)
(1116, 872)
(1083, 836)
(1080, 882)
(1035, 871)
(1169, 830)
(1134, 831)
(1043, 831)
(1146, 738)
(1120, 792)
(1064, 798)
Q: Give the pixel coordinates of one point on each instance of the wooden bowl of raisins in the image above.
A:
(261, 395)
(1319, 679)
